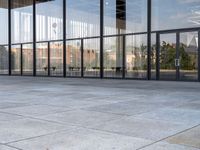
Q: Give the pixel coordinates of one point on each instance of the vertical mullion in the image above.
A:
(9, 38)
(199, 56)
(177, 55)
(49, 55)
(34, 37)
(124, 57)
(149, 5)
(64, 38)
(82, 61)
(21, 58)
(101, 37)
(157, 56)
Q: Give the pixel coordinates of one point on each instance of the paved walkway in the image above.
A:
(89, 114)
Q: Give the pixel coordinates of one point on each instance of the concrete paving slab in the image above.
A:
(131, 107)
(123, 108)
(191, 105)
(26, 128)
(82, 139)
(81, 118)
(5, 105)
(36, 110)
(8, 117)
(189, 137)
(95, 105)
(178, 115)
(3, 147)
(143, 128)
(166, 146)
(71, 103)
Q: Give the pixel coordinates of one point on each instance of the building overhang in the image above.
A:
(20, 3)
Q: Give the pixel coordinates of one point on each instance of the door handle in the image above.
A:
(177, 62)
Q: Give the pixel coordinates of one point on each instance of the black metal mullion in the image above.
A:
(64, 38)
(9, 38)
(157, 56)
(199, 56)
(149, 5)
(34, 37)
(21, 59)
(101, 37)
(49, 61)
(124, 58)
(82, 57)
(177, 55)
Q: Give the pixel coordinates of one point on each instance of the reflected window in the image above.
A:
(22, 21)
(42, 59)
(174, 14)
(73, 57)
(136, 56)
(91, 57)
(49, 20)
(27, 59)
(125, 16)
(16, 59)
(83, 18)
(3, 59)
(4, 22)
(113, 57)
(56, 59)
(188, 55)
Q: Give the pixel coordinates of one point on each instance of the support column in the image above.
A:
(149, 4)
(9, 38)
(101, 37)
(34, 37)
(64, 38)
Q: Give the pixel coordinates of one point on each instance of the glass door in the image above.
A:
(177, 56)
(188, 55)
(168, 60)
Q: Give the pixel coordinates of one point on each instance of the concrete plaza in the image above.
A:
(92, 114)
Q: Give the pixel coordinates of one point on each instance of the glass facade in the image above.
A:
(82, 18)
(4, 37)
(27, 59)
(49, 20)
(21, 21)
(174, 14)
(132, 39)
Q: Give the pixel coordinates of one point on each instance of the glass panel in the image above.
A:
(56, 59)
(3, 59)
(4, 22)
(188, 56)
(73, 57)
(83, 18)
(125, 16)
(167, 56)
(113, 57)
(27, 59)
(49, 20)
(136, 56)
(153, 56)
(22, 21)
(42, 59)
(91, 57)
(174, 14)
(16, 59)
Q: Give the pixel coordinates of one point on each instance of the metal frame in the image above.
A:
(177, 36)
(101, 37)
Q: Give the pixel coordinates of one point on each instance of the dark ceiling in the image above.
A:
(20, 3)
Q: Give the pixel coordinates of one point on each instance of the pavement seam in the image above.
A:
(168, 137)
(10, 146)
(34, 137)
